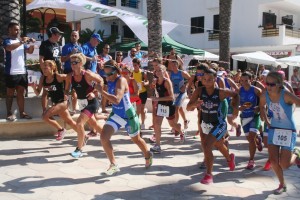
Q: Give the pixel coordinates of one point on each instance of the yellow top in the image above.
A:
(138, 77)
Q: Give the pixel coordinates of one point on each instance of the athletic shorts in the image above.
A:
(143, 97)
(278, 137)
(218, 130)
(91, 108)
(12, 81)
(131, 123)
(179, 98)
(171, 109)
(251, 124)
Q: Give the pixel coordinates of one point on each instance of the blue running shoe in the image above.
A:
(77, 153)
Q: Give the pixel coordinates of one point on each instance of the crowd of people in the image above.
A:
(80, 79)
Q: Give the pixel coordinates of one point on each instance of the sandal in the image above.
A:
(149, 160)
(25, 116)
(11, 118)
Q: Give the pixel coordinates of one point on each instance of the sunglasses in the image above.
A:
(271, 84)
(110, 73)
(75, 62)
(119, 55)
(199, 74)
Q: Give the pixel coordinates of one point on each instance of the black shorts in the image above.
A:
(12, 81)
(91, 108)
(143, 96)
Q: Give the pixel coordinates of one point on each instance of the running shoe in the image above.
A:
(202, 165)
(112, 170)
(92, 134)
(143, 127)
(250, 165)
(182, 138)
(149, 160)
(155, 149)
(152, 139)
(238, 131)
(280, 189)
(297, 152)
(259, 143)
(61, 134)
(77, 153)
(207, 179)
(267, 166)
(186, 124)
(231, 163)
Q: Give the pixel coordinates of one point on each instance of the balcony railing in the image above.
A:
(130, 3)
(128, 40)
(213, 36)
(270, 32)
(292, 33)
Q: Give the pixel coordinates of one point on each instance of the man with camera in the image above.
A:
(15, 71)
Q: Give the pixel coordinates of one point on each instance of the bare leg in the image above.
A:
(20, 99)
(157, 128)
(81, 121)
(105, 141)
(209, 157)
(9, 100)
(252, 145)
(142, 145)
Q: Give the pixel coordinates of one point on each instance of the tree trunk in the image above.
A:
(154, 27)
(9, 12)
(224, 41)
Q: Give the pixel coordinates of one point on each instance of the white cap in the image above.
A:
(221, 73)
(265, 72)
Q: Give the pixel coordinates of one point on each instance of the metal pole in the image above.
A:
(24, 18)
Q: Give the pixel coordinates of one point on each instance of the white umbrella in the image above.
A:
(257, 57)
(292, 60)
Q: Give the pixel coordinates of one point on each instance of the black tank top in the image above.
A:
(55, 90)
(82, 88)
(210, 109)
(162, 92)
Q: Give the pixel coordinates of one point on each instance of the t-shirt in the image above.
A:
(90, 51)
(14, 63)
(51, 51)
(128, 62)
(66, 50)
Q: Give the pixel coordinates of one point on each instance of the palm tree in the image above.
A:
(9, 12)
(224, 38)
(154, 26)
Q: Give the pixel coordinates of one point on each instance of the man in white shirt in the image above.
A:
(15, 71)
(128, 60)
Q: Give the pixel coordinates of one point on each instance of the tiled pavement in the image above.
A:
(41, 168)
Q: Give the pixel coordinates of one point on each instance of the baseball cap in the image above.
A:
(97, 36)
(265, 72)
(221, 73)
(54, 30)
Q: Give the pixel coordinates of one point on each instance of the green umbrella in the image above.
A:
(167, 44)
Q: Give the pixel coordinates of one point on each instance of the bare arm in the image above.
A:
(290, 98)
(262, 107)
(194, 100)
(37, 90)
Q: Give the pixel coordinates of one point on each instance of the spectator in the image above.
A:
(119, 57)
(170, 57)
(15, 71)
(140, 55)
(90, 51)
(128, 60)
(295, 81)
(49, 49)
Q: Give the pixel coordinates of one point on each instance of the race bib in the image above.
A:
(282, 137)
(246, 121)
(139, 86)
(163, 111)
(206, 128)
(118, 120)
(82, 103)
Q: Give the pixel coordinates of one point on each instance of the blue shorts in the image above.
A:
(179, 98)
(217, 130)
(131, 124)
(289, 148)
(251, 125)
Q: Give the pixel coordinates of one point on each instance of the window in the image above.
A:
(269, 20)
(114, 29)
(216, 24)
(197, 25)
(288, 21)
(128, 32)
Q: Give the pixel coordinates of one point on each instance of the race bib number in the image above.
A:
(139, 86)
(246, 121)
(206, 128)
(282, 137)
(118, 120)
(163, 111)
(82, 103)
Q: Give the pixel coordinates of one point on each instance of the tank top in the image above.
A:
(248, 97)
(138, 77)
(211, 109)
(163, 92)
(120, 108)
(131, 92)
(177, 81)
(281, 113)
(55, 90)
(82, 87)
